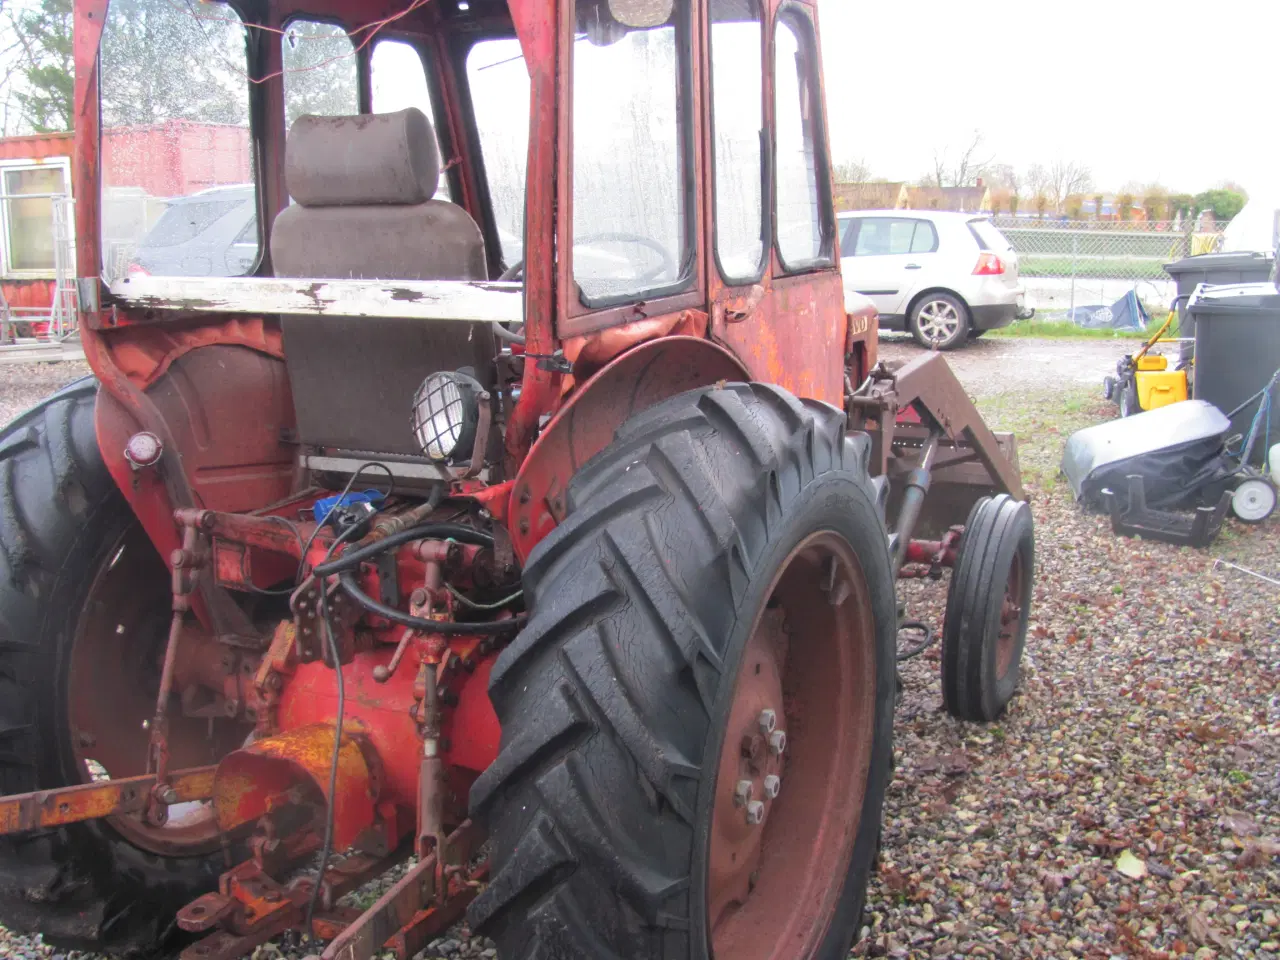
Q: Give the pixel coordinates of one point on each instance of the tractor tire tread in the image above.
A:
(82, 886)
(606, 695)
(967, 669)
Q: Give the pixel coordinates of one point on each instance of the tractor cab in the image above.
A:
(550, 180)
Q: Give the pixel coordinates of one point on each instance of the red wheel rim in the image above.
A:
(773, 886)
(1010, 618)
(112, 681)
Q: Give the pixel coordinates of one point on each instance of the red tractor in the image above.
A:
(511, 488)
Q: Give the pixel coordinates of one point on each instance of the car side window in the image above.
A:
(872, 238)
(250, 232)
(893, 236)
(848, 233)
(925, 237)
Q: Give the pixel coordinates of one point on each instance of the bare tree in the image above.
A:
(971, 164)
(1002, 176)
(852, 171)
(1066, 177)
(1036, 181)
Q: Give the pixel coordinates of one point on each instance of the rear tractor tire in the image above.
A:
(984, 629)
(697, 720)
(83, 597)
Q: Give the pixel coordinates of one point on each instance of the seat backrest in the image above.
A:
(363, 189)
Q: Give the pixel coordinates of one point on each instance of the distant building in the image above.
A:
(974, 199)
(38, 164)
(142, 167)
(1111, 209)
(871, 196)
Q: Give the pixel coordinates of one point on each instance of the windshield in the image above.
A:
(175, 122)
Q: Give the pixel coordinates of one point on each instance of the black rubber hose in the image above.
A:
(451, 531)
(348, 583)
(923, 645)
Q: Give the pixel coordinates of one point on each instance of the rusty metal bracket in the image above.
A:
(251, 907)
(407, 916)
(92, 801)
(929, 385)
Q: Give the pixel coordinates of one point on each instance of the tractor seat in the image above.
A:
(363, 188)
(363, 210)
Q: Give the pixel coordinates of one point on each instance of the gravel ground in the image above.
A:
(1128, 804)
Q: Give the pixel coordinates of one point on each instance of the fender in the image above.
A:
(639, 378)
(221, 397)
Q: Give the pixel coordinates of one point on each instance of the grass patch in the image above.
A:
(1120, 268)
(1042, 422)
(1063, 330)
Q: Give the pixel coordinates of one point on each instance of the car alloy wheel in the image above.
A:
(939, 321)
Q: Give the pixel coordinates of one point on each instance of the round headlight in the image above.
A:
(446, 409)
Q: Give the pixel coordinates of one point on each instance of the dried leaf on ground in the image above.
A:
(1131, 866)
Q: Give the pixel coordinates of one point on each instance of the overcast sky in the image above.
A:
(1184, 93)
(1180, 92)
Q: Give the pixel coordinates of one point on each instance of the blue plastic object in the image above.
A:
(326, 505)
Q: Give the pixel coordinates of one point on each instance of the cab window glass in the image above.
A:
(499, 84)
(175, 125)
(399, 82)
(737, 119)
(320, 71)
(798, 163)
(629, 177)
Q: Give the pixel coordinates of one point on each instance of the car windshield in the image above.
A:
(989, 238)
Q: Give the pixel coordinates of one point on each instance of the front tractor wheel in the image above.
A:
(697, 720)
(984, 629)
(84, 617)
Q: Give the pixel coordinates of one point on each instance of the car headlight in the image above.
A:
(446, 409)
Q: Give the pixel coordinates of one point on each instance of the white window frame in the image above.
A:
(6, 268)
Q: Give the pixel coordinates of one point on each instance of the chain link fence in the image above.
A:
(1068, 263)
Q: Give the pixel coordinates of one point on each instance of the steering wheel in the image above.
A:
(666, 262)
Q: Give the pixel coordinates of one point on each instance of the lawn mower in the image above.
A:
(1173, 472)
(1143, 380)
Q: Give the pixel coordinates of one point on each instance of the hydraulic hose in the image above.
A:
(450, 531)
(347, 580)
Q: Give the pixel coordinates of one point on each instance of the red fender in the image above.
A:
(639, 378)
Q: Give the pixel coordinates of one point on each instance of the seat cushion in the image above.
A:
(435, 240)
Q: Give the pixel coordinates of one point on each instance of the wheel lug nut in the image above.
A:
(777, 742)
(742, 793)
(755, 812)
(772, 785)
(768, 721)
